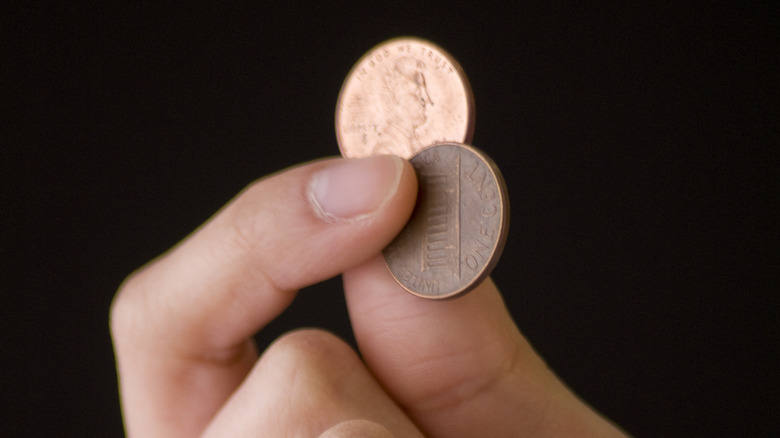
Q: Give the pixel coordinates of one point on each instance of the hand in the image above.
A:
(183, 326)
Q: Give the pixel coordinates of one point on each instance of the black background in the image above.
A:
(635, 141)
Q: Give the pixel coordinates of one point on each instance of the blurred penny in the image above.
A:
(458, 227)
(403, 95)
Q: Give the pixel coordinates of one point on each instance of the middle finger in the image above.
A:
(305, 383)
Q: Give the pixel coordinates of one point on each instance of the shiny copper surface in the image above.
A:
(403, 95)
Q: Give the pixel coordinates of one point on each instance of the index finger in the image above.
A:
(460, 367)
(182, 326)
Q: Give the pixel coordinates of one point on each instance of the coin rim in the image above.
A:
(456, 66)
(500, 242)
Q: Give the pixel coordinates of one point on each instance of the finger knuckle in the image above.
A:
(306, 346)
(125, 309)
(251, 225)
(311, 357)
(250, 216)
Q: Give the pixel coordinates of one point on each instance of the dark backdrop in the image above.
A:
(635, 141)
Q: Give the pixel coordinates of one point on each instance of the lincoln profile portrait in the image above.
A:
(404, 98)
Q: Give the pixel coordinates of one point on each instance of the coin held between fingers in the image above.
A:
(410, 98)
(459, 226)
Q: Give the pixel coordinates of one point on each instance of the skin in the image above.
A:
(183, 324)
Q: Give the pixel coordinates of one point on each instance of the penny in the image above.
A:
(403, 95)
(458, 228)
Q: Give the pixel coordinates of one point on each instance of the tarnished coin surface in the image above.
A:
(403, 95)
(459, 225)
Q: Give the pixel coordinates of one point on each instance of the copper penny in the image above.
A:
(403, 95)
(458, 227)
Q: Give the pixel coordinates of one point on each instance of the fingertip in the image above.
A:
(355, 189)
